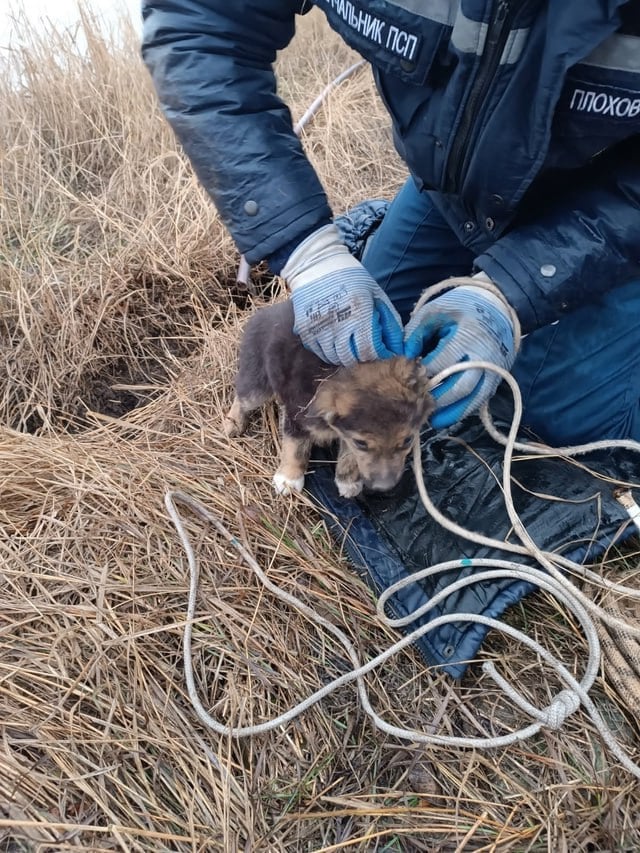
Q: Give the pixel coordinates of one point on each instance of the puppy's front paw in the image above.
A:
(285, 485)
(348, 488)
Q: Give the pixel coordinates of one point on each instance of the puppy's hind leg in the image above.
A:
(253, 390)
(294, 458)
(236, 419)
(252, 385)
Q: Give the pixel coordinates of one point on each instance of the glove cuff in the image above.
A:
(322, 253)
(478, 282)
(481, 281)
(474, 288)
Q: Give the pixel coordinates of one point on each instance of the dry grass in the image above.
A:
(118, 333)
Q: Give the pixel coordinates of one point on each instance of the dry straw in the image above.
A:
(118, 334)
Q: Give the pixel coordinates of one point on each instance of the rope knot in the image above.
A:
(565, 703)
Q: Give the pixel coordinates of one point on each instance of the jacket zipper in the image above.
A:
(496, 40)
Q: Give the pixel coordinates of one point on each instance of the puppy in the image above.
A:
(374, 410)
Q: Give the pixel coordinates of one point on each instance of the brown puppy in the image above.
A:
(375, 410)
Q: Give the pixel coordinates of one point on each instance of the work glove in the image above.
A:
(341, 314)
(466, 323)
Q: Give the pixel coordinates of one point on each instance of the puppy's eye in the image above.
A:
(360, 444)
(408, 441)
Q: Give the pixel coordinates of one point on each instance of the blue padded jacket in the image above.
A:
(522, 117)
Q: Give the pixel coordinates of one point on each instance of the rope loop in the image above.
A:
(553, 716)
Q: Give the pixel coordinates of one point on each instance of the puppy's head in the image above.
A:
(377, 409)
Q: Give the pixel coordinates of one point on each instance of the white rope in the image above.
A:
(552, 580)
(547, 560)
(315, 106)
(552, 716)
(360, 670)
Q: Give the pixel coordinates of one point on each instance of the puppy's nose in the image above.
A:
(383, 483)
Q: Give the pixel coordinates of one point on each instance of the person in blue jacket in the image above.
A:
(519, 122)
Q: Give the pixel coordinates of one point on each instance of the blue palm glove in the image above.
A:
(341, 314)
(466, 323)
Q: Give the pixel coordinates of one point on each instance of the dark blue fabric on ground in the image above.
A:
(389, 536)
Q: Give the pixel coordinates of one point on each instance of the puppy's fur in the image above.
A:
(375, 410)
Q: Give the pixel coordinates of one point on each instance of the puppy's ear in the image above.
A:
(418, 379)
(323, 404)
(419, 384)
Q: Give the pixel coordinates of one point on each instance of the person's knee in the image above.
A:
(580, 379)
(413, 248)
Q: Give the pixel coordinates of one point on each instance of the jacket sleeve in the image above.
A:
(212, 65)
(581, 244)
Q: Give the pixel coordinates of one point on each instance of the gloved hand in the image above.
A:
(466, 323)
(341, 314)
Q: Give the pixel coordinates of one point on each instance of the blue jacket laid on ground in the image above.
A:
(519, 122)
